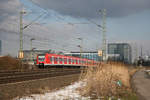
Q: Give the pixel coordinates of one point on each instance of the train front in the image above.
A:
(40, 60)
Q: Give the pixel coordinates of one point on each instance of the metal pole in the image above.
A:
(81, 46)
(31, 44)
(141, 51)
(31, 48)
(21, 32)
(31, 51)
(80, 52)
(21, 38)
(104, 44)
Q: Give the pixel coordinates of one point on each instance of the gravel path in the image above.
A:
(141, 83)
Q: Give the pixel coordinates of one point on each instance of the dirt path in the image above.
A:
(141, 83)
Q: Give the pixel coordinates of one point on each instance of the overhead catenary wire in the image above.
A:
(44, 39)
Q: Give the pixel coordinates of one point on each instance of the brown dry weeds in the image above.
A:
(102, 80)
(10, 63)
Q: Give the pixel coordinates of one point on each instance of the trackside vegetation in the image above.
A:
(109, 81)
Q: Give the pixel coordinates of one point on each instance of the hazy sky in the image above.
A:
(63, 21)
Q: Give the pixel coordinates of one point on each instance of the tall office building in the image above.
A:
(120, 52)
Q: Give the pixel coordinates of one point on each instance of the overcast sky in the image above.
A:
(63, 21)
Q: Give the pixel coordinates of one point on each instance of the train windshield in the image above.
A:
(41, 58)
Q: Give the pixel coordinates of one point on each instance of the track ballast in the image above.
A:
(19, 76)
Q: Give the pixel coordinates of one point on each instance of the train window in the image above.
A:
(74, 60)
(78, 61)
(69, 60)
(41, 58)
(60, 59)
(65, 59)
(54, 58)
(51, 59)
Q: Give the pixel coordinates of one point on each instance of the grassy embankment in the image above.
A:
(109, 80)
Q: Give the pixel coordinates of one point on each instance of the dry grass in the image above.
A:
(102, 80)
(10, 63)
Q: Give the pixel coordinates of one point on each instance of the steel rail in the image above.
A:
(19, 78)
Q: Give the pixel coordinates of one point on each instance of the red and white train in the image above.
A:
(61, 60)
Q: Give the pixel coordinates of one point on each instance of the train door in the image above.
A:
(62, 60)
(52, 60)
(55, 60)
(71, 61)
(78, 61)
(65, 60)
(58, 61)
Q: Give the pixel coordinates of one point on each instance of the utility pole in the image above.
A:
(81, 46)
(141, 51)
(31, 52)
(31, 42)
(21, 38)
(136, 51)
(104, 44)
(21, 30)
(136, 54)
(21, 34)
(24, 27)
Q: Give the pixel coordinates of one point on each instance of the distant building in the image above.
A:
(92, 55)
(119, 52)
(0, 47)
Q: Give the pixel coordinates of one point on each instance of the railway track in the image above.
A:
(18, 76)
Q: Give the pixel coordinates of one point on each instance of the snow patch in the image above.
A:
(68, 93)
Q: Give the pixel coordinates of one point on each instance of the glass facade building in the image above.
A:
(119, 52)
